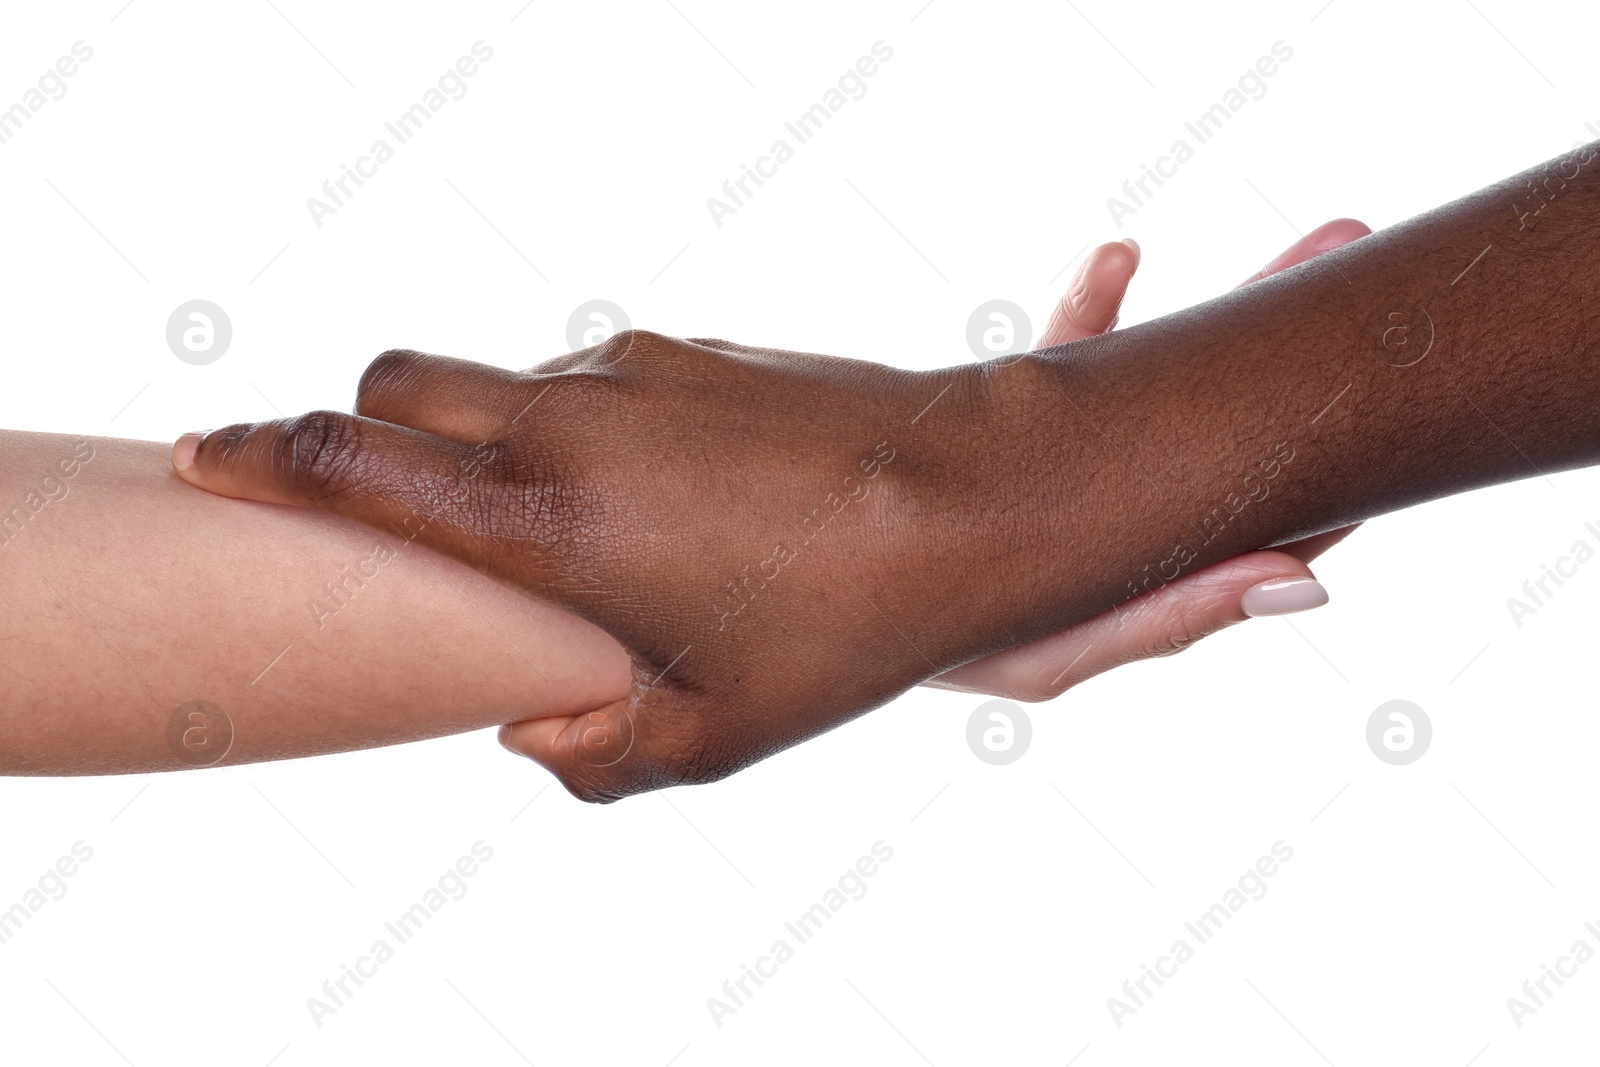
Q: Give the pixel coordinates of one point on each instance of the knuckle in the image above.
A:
(690, 755)
(583, 393)
(628, 346)
(699, 761)
(1186, 629)
(585, 788)
(389, 370)
(543, 501)
(627, 338)
(1037, 692)
(602, 785)
(317, 452)
(621, 351)
(1055, 678)
(558, 364)
(1167, 646)
(633, 337)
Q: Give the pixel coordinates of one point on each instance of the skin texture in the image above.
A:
(108, 638)
(898, 524)
(98, 666)
(128, 594)
(1172, 617)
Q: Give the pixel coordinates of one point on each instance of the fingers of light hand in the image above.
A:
(1090, 304)
(1309, 548)
(1159, 623)
(551, 743)
(1324, 238)
(600, 756)
(1094, 296)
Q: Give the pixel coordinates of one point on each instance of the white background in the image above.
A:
(977, 165)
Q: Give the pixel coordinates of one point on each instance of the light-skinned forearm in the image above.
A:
(783, 541)
(128, 594)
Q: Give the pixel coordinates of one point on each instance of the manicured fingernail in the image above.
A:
(1131, 243)
(183, 451)
(1283, 596)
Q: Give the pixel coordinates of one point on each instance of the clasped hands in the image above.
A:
(777, 541)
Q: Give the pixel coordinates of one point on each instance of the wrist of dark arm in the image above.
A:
(1446, 353)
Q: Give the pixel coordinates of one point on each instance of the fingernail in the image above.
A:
(1131, 243)
(504, 738)
(1283, 596)
(183, 451)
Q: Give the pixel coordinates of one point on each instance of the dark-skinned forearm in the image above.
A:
(1449, 352)
(782, 541)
